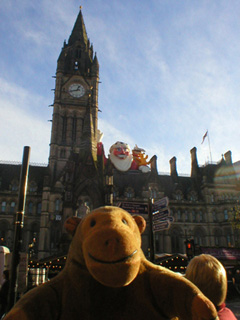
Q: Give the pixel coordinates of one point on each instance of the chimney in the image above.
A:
(194, 166)
(153, 164)
(173, 167)
(228, 157)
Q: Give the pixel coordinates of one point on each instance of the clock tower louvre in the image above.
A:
(76, 94)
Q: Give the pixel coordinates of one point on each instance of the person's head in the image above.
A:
(209, 275)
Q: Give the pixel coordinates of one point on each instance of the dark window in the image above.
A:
(12, 207)
(62, 153)
(39, 208)
(76, 65)
(57, 205)
(30, 208)
(179, 215)
(193, 216)
(4, 204)
(33, 187)
(74, 129)
(14, 186)
(214, 216)
(225, 215)
(175, 236)
(64, 128)
(78, 53)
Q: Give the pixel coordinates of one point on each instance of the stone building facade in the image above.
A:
(77, 178)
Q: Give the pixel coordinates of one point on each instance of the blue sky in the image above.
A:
(169, 70)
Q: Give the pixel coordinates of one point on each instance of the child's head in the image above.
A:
(209, 275)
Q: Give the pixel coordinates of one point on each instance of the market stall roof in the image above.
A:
(176, 262)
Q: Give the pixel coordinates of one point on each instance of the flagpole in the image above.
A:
(209, 146)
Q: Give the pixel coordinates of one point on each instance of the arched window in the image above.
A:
(55, 235)
(179, 216)
(4, 205)
(12, 207)
(217, 237)
(76, 65)
(33, 187)
(214, 216)
(78, 53)
(30, 208)
(175, 240)
(129, 193)
(200, 216)
(192, 196)
(225, 215)
(14, 186)
(62, 153)
(64, 128)
(115, 193)
(39, 208)
(199, 237)
(212, 198)
(74, 128)
(57, 205)
(229, 238)
(193, 216)
(178, 195)
(229, 242)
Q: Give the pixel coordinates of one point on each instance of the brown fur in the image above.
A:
(100, 282)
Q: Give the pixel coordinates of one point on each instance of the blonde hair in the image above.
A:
(209, 275)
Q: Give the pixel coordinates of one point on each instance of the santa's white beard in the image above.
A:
(121, 164)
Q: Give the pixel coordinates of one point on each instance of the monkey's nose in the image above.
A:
(112, 244)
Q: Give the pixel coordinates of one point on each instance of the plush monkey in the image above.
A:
(107, 276)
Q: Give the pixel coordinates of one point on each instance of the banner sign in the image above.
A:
(160, 204)
(169, 218)
(134, 208)
(162, 225)
(163, 214)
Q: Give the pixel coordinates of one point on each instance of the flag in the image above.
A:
(204, 137)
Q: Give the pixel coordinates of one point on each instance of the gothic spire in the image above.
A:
(79, 31)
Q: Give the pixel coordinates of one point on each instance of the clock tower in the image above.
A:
(75, 108)
(74, 182)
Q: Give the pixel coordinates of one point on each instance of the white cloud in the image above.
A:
(20, 126)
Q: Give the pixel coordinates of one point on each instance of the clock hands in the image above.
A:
(78, 89)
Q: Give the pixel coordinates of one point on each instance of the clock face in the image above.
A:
(76, 90)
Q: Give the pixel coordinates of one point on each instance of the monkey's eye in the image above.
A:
(124, 221)
(92, 223)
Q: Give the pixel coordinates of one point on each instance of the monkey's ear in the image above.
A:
(141, 222)
(71, 224)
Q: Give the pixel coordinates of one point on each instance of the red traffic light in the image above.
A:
(190, 248)
(189, 245)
